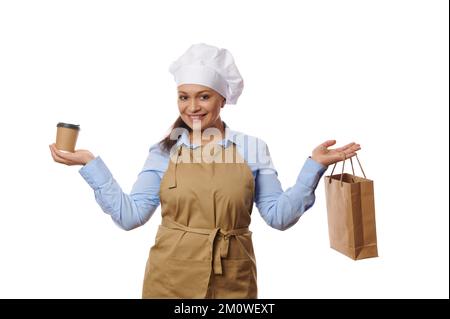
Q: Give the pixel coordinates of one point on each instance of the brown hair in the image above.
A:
(166, 143)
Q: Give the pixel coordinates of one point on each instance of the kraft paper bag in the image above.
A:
(351, 214)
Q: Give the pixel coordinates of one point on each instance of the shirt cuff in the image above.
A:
(311, 173)
(95, 173)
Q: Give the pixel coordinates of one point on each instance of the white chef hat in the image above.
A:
(209, 66)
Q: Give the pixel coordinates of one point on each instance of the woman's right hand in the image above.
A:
(79, 157)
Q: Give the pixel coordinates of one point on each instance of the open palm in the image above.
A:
(79, 157)
(325, 156)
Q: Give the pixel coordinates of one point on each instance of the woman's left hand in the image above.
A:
(325, 156)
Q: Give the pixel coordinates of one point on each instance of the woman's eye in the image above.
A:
(205, 97)
(182, 98)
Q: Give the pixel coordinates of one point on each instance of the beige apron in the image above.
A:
(203, 247)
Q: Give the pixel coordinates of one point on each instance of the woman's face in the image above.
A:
(200, 104)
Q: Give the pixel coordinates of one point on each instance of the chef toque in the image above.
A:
(209, 66)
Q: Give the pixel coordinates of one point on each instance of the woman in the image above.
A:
(206, 178)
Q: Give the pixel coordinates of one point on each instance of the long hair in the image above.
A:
(166, 143)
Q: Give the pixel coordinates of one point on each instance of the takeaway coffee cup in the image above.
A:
(66, 136)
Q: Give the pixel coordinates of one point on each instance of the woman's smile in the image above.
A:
(196, 117)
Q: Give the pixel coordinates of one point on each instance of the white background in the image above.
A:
(374, 72)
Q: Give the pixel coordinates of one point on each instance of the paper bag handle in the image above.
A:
(353, 170)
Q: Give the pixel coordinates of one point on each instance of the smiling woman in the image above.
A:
(198, 105)
(203, 247)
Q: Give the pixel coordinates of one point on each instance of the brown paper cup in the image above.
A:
(66, 136)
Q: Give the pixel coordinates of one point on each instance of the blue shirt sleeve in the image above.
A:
(282, 209)
(132, 210)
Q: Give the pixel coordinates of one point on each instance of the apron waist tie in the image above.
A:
(216, 254)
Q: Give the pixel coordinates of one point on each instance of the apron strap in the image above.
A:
(173, 182)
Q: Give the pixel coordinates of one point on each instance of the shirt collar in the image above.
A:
(230, 137)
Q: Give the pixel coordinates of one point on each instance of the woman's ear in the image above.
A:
(223, 103)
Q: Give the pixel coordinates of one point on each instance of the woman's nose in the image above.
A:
(193, 106)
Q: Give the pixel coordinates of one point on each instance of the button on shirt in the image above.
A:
(280, 209)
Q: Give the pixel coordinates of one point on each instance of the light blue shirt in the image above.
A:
(279, 209)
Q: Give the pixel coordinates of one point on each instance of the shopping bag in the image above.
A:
(351, 213)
